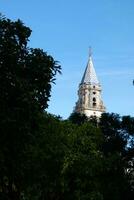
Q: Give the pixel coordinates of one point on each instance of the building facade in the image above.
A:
(89, 93)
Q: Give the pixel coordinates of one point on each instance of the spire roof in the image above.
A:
(90, 76)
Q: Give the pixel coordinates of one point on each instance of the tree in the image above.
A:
(117, 156)
(78, 118)
(82, 163)
(26, 75)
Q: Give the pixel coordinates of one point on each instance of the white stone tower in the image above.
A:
(89, 93)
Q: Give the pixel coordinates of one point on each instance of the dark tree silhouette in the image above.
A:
(26, 75)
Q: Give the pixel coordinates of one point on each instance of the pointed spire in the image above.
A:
(90, 76)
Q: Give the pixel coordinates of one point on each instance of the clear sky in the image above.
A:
(66, 28)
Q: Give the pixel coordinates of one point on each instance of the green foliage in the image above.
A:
(82, 163)
(115, 137)
(26, 75)
(77, 118)
(24, 72)
(117, 157)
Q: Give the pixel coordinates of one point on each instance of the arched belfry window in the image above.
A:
(94, 99)
(94, 104)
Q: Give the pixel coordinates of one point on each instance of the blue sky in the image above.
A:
(66, 28)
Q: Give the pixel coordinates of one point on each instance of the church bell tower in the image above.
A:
(89, 93)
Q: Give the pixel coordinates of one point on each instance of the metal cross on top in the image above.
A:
(90, 51)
